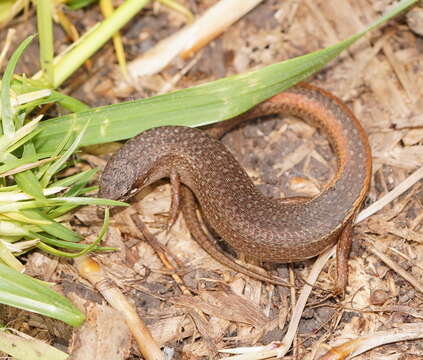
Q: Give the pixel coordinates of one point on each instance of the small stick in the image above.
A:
(398, 269)
(390, 196)
(157, 247)
(92, 271)
(197, 315)
(187, 41)
(364, 343)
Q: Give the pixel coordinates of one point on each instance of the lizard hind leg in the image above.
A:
(343, 249)
(175, 204)
(194, 225)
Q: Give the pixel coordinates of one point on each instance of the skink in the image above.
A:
(262, 228)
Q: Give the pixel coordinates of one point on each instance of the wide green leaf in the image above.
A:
(196, 106)
(21, 291)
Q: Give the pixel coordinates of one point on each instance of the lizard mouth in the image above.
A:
(130, 194)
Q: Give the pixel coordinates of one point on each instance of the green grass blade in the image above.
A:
(400, 7)
(29, 184)
(74, 201)
(54, 228)
(32, 204)
(25, 348)
(8, 127)
(8, 188)
(60, 147)
(7, 142)
(26, 180)
(78, 4)
(53, 168)
(21, 291)
(91, 42)
(24, 85)
(76, 190)
(18, 216)
(26, 130)
(12, 228)
(64, 209)
(77, 183)
(200, 105)
(69, 245)
(79, 189)
(89, 248)
(83, 176)
(9, 259)
(11, 239)
(15, 165)
(23, 140)
(45, 30)
(89, 201)
(68, 102)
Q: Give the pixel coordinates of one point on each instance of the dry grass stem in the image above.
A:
(191, 38)
(364, 343)
(279, 349)
(398, 269)
(6, 45)
(91, 270)
(27, 166)
(284, 346)
(195, 312)
(402, 74)
(392, 195)
(14, 10)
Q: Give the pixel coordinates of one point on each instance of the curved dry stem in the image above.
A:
(92, 271)
(364, 343)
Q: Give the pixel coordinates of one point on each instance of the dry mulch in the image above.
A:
(379, 78)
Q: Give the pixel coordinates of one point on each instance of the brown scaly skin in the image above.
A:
(262, 228)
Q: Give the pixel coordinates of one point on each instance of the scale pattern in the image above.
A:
(257, 226)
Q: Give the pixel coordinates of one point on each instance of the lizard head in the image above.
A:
(118, 181)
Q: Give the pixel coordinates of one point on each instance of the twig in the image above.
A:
(191, 38)
(364, 343)
(279, 349)
(6, 46)
(390, 196)
(197, 315)
(157, 247)
(91, 270)
(398, 269)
